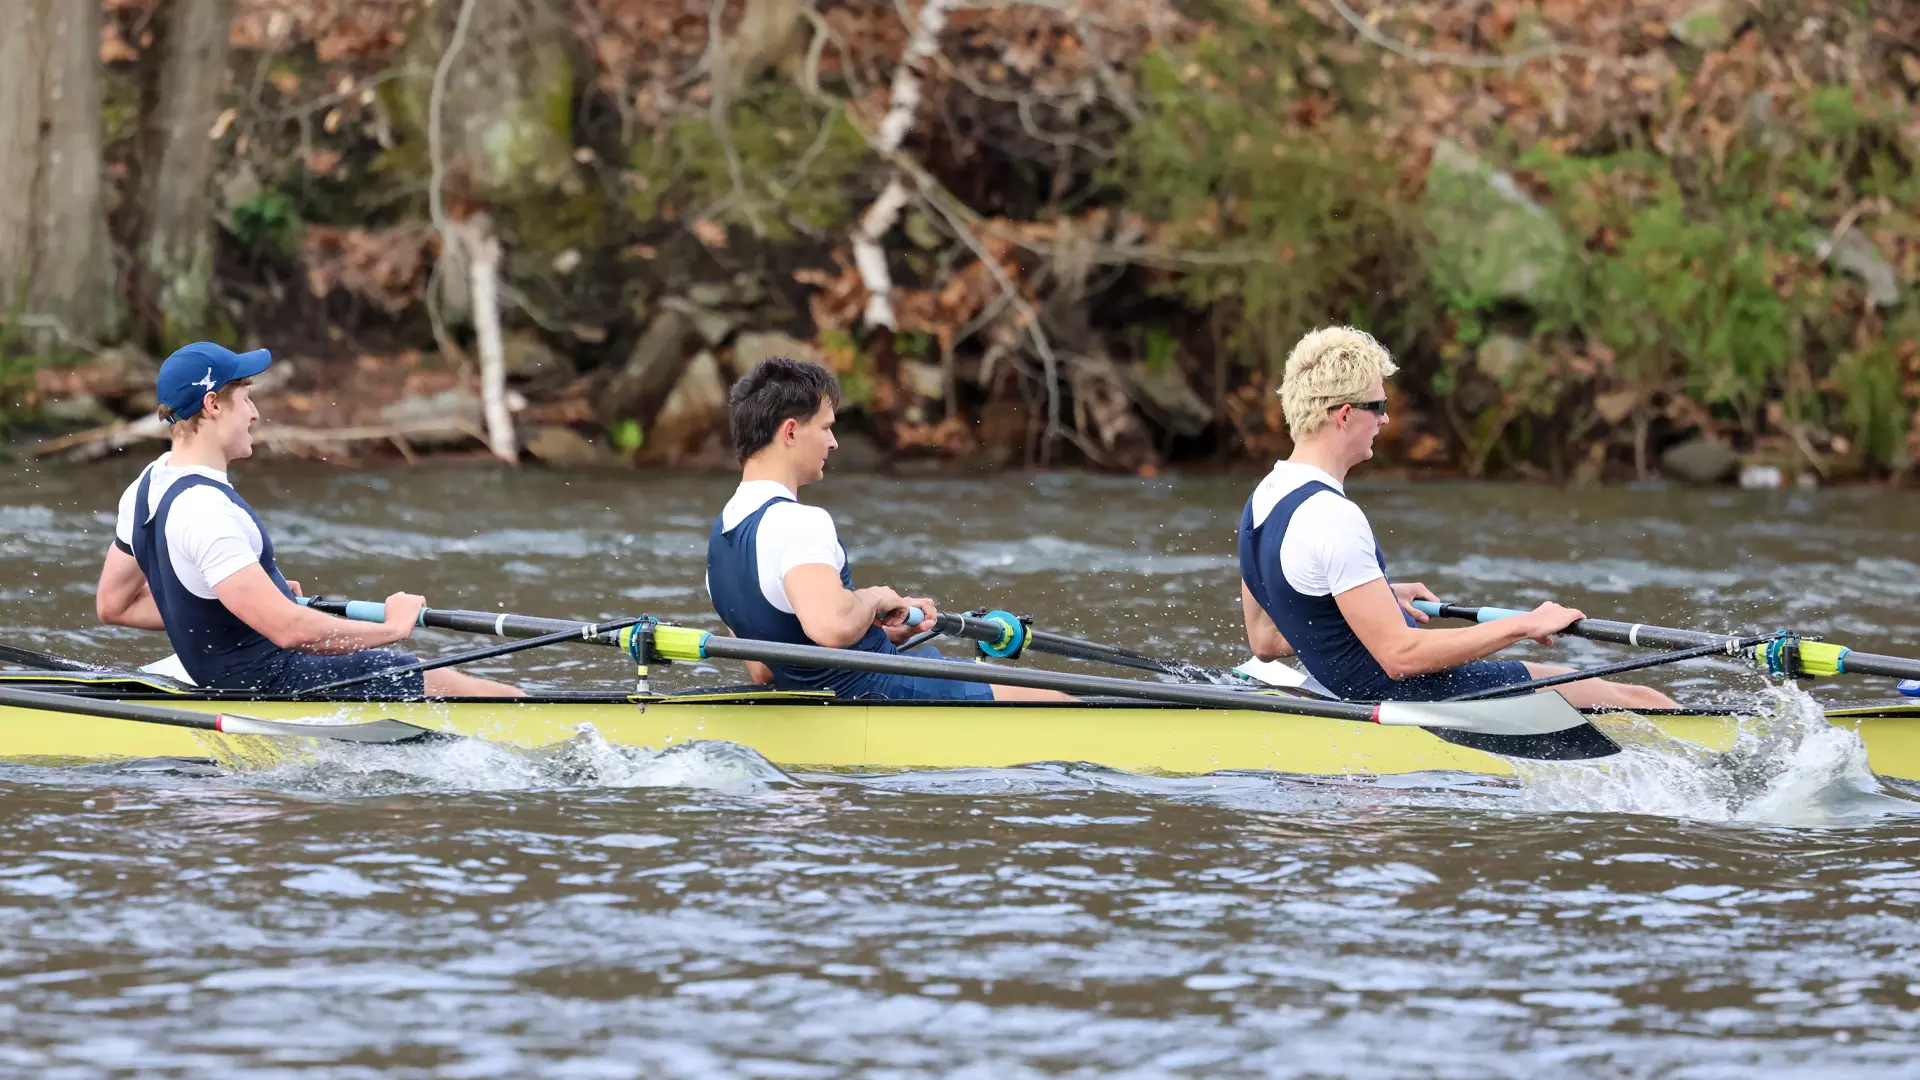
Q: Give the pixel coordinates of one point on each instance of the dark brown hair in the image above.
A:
(774, 392)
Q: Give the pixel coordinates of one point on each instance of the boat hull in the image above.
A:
(802, 730)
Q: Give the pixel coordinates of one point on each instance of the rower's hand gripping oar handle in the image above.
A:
(1455, 611)
(356, 610)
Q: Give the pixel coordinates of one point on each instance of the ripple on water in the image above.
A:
(606, 911)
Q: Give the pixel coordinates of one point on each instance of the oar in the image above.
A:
(1000, 634)
(1541, 726)
(1814, 657)
(375, 731)
(471, 622)
(13, 654)
(1004, 634)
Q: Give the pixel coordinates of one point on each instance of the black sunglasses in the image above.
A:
(1377, 406)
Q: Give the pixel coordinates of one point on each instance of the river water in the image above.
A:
(597, 911)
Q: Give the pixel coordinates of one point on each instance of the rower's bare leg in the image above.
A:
(1024, 693)
(446, 682)
(1601, 693)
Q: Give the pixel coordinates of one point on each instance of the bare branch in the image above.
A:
(1454, 59)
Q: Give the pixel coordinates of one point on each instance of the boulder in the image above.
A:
(1701, 460)
(748, 289)
(1856, 254)
(641, 387)
(78, 411)
(565, 448)
(694, 411)
(1707, 25)
(1164, 389)
(713, 325)
(531, 359)
(753, 347)
(1500, 356)
(710, 294)
(121, 378)
(923, 380)
(1492, 240)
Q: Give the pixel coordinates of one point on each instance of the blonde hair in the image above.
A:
(1328, 368)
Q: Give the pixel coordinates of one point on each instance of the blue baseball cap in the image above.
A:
(196, 370)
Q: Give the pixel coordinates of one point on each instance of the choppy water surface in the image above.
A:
(599, 911)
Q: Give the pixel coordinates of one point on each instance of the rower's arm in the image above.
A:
(1264, 638)
(832, 614)
(1403, 651)
(122, 597)
(255, 600)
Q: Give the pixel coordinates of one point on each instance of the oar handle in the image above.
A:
(497, 624)
(1456, 611)
(357, 610)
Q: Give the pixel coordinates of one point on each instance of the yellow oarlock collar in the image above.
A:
(669, 642)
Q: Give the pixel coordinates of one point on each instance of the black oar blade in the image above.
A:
(1581, 743)
(389, 732)
(1542, 726)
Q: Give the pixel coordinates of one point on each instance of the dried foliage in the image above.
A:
(1721, 198)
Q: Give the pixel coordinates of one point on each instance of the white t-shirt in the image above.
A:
(1329, 547)
(209, 538)
(790, 535)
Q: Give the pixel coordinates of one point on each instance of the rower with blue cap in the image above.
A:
(776, 569)
(190, 557)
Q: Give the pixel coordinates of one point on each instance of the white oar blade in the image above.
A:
(1541, 726)
(377, 731)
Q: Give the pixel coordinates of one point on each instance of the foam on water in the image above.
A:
(586, 760)
(1791, 767)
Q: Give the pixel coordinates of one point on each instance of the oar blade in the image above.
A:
(389, 732)
(1543, 727)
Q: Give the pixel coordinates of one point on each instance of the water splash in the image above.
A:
(1788, 767)
(586, 760)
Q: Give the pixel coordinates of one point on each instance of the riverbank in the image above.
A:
(1607, 242)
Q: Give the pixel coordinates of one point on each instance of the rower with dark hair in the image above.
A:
(776, 568)
(190, 557)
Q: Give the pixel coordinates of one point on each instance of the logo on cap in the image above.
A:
(206, 381)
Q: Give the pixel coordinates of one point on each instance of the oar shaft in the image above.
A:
(112, 710)
(13, 654)
(813, 656)
(481, 622)
(1851, 662)
(992, 631)
(470, 622)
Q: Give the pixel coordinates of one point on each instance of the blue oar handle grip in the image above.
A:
(1485, 614)
(915, 616)
(366, 611)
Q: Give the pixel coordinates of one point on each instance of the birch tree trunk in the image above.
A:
(54, 262)
(180, 101)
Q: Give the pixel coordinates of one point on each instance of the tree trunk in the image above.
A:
(180, 101)
(54, 264)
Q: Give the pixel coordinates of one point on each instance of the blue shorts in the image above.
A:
(917, 687)
(304, 671)
(1465, 679)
